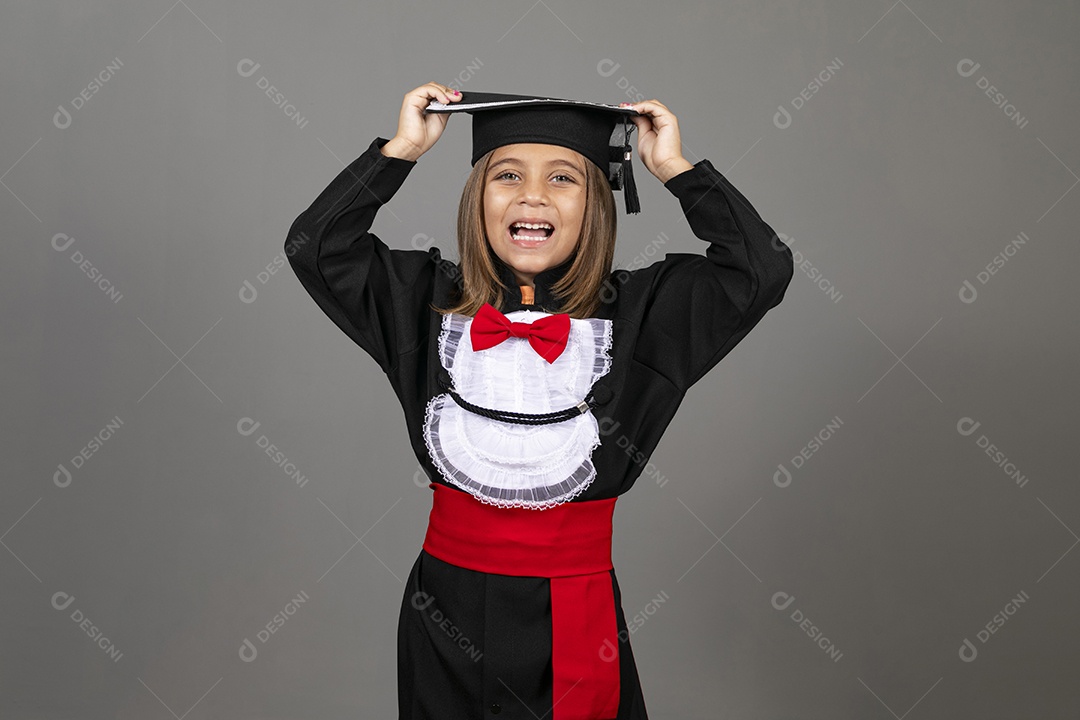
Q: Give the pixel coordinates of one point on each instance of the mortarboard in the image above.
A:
(599, 131)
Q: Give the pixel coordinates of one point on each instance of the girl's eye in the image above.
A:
(502, 175)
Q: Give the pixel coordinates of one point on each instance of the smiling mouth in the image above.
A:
(529, 237)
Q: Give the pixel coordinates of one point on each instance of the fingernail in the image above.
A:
(456, 92)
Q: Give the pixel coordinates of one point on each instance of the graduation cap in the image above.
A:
(599, 131)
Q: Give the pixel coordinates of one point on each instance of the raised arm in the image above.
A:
(703, 306)
(366, 288)
(376, 295)
(700, 307)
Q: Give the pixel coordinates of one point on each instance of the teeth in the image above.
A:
(534, 226)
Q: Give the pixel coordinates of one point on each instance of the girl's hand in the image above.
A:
(659, 144)
(417, 131)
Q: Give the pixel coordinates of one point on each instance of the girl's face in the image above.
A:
(538, 184)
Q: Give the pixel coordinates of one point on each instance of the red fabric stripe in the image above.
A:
(586, 671)
(571, 545)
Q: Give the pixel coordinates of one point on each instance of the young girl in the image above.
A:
(535, 381)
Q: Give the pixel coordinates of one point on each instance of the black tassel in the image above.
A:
(629, 186)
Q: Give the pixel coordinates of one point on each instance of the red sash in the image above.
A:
(570, 544)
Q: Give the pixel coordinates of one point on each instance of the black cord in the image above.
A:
(522, 418)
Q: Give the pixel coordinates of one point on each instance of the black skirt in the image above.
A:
(478, 645)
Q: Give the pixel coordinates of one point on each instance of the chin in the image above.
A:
(531, 262)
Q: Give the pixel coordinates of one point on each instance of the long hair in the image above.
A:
(578, 290)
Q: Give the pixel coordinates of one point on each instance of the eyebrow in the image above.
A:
(550, 163)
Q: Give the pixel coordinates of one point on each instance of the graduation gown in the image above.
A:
(479, 644)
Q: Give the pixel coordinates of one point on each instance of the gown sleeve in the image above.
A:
(702, 306)
(375, 294)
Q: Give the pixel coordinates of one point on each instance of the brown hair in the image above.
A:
(578, 290)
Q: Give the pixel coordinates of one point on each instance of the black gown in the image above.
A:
(483, 649)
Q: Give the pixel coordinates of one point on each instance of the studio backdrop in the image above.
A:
(868, 509)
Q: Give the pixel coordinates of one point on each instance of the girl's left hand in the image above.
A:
(659, 144)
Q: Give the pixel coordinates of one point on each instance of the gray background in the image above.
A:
(896, 180)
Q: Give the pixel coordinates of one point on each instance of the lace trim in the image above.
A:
(602, 328)
(532, 498)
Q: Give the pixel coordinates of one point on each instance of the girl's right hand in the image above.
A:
(417, 131)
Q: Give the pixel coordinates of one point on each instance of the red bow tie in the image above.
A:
(547, 335)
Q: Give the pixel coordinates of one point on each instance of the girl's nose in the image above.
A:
(534, 190)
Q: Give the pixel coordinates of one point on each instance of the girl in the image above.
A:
(535, 381)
